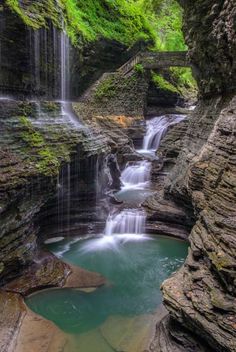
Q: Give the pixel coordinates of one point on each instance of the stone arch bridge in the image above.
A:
(158, 60)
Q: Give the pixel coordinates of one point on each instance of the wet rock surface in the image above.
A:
(49, 170)
(206, 295)
(209, 28)
(35, 70)
(201, 296)
(24, 331)
(164, 215)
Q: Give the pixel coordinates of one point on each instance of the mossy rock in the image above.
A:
(161, 83)
(44, 157)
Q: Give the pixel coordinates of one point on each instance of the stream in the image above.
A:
(122, 314)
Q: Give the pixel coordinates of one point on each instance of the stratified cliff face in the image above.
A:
(39, 155)
(201, 296)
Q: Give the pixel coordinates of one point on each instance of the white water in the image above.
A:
(65, 65)
(136, 175)
(6, 98)
(66, 106)
(129, 221)
(129, 224)
(156, 130)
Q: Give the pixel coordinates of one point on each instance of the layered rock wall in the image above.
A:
(201, 296)
(34, 148)
(209, 28)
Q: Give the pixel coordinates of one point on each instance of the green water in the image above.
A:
(133, 196)
(134, 270)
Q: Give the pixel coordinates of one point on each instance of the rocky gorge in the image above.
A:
(65, 139)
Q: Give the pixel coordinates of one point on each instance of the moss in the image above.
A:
(139, 68)
(124, 21)
(45, 159)
(26, 108)
(162, 83)
(42, 12)
(221, 261)
(184, 78)
(106, 89)
(51, 106)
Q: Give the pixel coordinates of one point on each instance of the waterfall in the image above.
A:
(42, 62)
(136, 175)
(128, 225)
(65, 66)
(66, 106)
(129, 221)
(157, 128)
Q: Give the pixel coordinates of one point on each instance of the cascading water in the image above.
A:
(66, 106)
(156, 130)
(133, 275)
(128, 225)
(65, 62)
(37, 60)
(129, 221)
(135, 178)
(50, 69)
(136, 175)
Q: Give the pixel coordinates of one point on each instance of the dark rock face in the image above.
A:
(173, 337)
(117, 103)
(172, 143)
(200, 125)
(159, 98)
(201, 296)
(33, 149)
(31, 60)
(93, 59)
(211, 36)
(165, 216)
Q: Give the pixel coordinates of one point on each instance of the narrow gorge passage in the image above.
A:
(133, 263)
(117, 176)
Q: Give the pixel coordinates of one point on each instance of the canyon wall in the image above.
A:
(53, 165)
(201, 296)
(31, 57)
(38, 160)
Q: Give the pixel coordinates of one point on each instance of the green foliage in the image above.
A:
(168, 25)
(162, 83)
(157, 21)
(119, 20)
(105, 89)
(42, 11)
(139, 68)
(46, 161)
(184, 77)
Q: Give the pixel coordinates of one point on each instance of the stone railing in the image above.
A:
(129, 65)
(151, 61)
